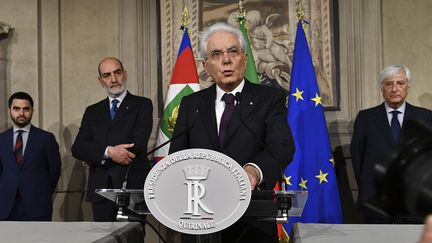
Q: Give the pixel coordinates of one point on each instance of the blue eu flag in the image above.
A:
(312, 168)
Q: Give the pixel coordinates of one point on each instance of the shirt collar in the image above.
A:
(26, 128)
(220, 92)
(401, 108)
(120, 98)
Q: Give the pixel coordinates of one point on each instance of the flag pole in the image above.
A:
(250, 72)
(184, 81)
(300, 14)
(242, 14)
(185, 18)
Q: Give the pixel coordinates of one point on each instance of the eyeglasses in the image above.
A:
(391, 84)
(218, 54)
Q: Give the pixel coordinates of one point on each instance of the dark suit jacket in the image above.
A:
(132, 124)
(372, 140)
(262, 109)
(35, 178)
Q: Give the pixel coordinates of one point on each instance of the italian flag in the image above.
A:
(184, 81)
(250, 72)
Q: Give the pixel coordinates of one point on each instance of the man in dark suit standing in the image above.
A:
(29, 165)
(113, 139)
(242, 120)
(377, 130)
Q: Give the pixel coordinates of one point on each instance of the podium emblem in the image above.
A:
(197, 191)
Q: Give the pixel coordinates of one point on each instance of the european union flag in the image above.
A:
(312, 168)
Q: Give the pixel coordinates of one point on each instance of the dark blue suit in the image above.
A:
(371, 141)
(132, 124)
(264, 111)
(34, 179)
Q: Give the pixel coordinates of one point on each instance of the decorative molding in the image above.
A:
(361, 55)
(5, 29)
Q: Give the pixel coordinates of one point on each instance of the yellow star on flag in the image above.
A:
(322, 177)
(298, 94)
(317, 99)
(288, 180)
(303, 183)
(332, 161)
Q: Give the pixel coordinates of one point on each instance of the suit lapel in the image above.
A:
(31, 140)
(209, 115)
(384, 123)
(105, 110)
(408, 115)
(10, 146)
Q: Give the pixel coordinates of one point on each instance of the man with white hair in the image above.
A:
(220, 123)
(376, 131)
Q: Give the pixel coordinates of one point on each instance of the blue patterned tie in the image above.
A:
(395, 126)
(226, 116)
(114, 108)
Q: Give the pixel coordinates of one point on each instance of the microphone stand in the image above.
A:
(123, 198)
(122, 202)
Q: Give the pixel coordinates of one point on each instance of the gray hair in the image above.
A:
(392, 70)
(216, 28)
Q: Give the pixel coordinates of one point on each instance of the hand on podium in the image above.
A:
(253, 175)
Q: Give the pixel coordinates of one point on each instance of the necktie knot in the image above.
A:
(395, 112)
(115, 102)
(228, 98)
(114, 108)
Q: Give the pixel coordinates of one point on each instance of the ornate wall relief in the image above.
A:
(272, 27)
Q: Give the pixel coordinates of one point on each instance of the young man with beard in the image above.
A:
(29, 165)
(113, 139)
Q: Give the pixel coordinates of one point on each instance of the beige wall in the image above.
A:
(55, 46)
(407, 39)
(53, 53)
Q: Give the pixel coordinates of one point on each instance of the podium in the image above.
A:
(262, 204)
(201, 192)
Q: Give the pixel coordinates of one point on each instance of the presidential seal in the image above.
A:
(197, 191)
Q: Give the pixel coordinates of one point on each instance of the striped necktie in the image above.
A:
(114, 108)
(18, 150)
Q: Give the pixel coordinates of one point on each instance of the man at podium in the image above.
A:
(245, 121)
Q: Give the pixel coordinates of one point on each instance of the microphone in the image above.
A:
(178, 135)
(163, 144)
(122, 199)
(283, 201)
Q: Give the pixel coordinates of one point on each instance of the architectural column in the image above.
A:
(360, 53)
(5, 31)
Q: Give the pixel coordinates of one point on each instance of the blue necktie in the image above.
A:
(114, 108)
(226, 116)
(395, 126)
